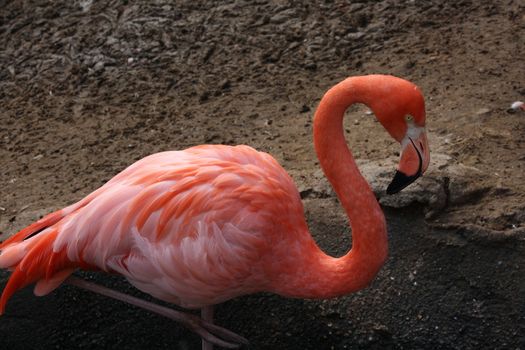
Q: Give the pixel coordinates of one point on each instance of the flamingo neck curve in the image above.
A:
(320, 275)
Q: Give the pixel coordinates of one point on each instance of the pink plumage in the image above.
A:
(188, 227)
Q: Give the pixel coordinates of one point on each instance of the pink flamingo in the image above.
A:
(212, 222)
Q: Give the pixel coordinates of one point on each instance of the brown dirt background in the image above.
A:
(86, 88)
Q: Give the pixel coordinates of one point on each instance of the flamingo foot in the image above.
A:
(210, 333)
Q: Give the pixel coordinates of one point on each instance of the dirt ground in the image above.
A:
(88, 87)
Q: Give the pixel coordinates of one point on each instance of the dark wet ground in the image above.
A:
(476, 301)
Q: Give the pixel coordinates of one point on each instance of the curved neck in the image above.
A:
(324, 276)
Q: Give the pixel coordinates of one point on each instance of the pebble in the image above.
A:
(355, 36)
(310, 65)
(483, 111)
(304, 109)
(282, 16)
(225, 84)
(111, 40)
(166, 40)
(85, 5)
(98, 66)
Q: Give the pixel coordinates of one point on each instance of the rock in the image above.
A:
(426, 190)
(293, 45)
(304, 109)
(483, 111)
(310, 65)
(225, 84)
(99, 66)
(270, 56)
(85, 5)
(283, 16)
(464, 184)
(208, 53)
(355, 36)
(166, 40)
(111, 40)
(444, 183)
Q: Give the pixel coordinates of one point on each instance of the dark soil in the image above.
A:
(86, 88)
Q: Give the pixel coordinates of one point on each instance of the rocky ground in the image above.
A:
(87, 87)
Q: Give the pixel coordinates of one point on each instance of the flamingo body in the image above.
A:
(189, 227)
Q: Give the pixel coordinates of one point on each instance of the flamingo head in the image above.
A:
(415, 156)
(401, 111)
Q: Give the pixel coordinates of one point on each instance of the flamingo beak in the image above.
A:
(415, 158)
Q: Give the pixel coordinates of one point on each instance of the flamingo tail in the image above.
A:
(29, 253)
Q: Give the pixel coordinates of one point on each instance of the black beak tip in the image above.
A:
(400, 181)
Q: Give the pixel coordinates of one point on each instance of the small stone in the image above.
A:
(483, 111)
(98, 66)
(355, 36)
(166, 40)
(111, 40)
(310, 65)
(304, 109)
(225, 84)
(283, 16)
(85, 5)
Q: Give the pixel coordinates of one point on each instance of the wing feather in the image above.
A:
(188, 226)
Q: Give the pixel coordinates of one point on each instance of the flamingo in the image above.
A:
(213, 222)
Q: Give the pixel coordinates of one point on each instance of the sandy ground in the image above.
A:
(86, 88)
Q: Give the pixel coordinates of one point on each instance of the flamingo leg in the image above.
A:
(210, 333)
(207, 315)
